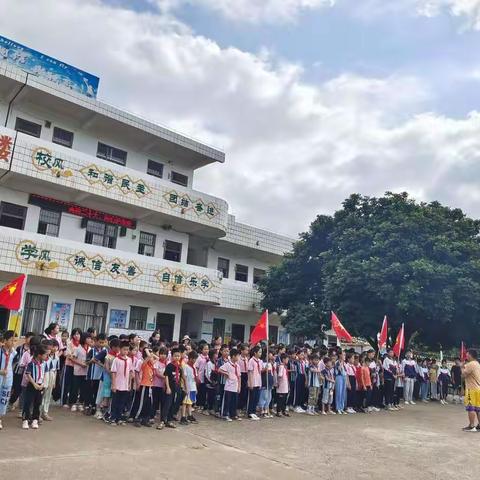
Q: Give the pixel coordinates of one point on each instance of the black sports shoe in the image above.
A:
(470, 429)
(184, 421)
(192, 419)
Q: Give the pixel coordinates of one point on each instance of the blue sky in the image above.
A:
(312, 100)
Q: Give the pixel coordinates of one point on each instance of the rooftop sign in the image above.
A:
(36, 63)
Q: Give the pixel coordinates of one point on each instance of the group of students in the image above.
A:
(126, 379)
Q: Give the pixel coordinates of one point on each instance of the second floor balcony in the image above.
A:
(44, 168)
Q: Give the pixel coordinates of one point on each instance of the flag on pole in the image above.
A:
(12, 294)
(382, 339)
(340, 330)
(400, 342)
(463, 352)
(260, 332)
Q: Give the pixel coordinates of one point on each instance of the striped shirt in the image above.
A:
(37, 371)
(95, 371)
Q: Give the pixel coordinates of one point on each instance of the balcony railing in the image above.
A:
(49, 162)
(64, 260)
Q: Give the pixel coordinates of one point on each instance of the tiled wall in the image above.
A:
(36, 158)
(47, 257)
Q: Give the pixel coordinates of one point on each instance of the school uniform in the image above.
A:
(93, 379)
(33, 397)
(211, 378)
(301, 393)
(410, 372)
(444, 381)
(255, 370)
(158, 387)
(283, 385)
(6, 381)
(314, 382)
(173, 400)
(123, 368)
(340, 386)
(328, 385)
(243, 396)
(267, 386)
(17, 373)
(292, 376)
(352, 393)
(77, 390)
(367, 386)
(143, 412)
(51, 370)
(190, 380)
(232, 384)
(220, 387)
(200, 365)
(389, 372)
(135, 392)
(67, 379)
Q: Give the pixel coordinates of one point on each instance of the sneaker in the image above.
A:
(170, 425)
(81, 408)
(375, 409)
(66, 406)
(99, 415)
(228, 419)
(160, 426)
(73, 408)
(310, 412)
(323, 413)
(406, 402)
(112, 423)
(20, 414)
(390, 409)
(25, 425)
(137, 424)
(238, 419)
(425, 401)
(331, 412)
(184, 421)
(192, 419)
(412, 402)
(147, 424)
(252, 416)
(469, 429)
(286, 414)
(205, 412)
(445, 402)
(351, 410)
(35, 424)
(47, 417)
(279, 415)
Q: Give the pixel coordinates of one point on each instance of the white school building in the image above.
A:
(97, 206)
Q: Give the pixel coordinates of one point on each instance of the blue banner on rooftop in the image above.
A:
(49, 68)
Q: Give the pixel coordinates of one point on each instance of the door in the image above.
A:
(238, 332)
(4, 316)
(218, 328)
(164, 324)
(273, 333)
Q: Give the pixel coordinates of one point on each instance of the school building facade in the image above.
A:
(97, 207)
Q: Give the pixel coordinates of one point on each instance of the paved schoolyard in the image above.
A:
(422, 441)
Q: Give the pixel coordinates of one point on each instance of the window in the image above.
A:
(90, 314)
(28, 127)
(218, 329)
(138, 318)
(12, 215)
(258, 274)
(102, 234)
(179, 179)
(155, 169)
(34, 313)
(49, 223)
(241, 273)
(111, 154)
(173, 251)
(147, 244)
(223, 266)
(62, 137)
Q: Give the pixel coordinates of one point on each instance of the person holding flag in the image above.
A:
(11, 297)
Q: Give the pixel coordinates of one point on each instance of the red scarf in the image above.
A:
(245, 364)
(75, 342)
(86, 348)
(124, 360)
(112, 353)
(197, 380)
(258, 365)
(235, 366)
(39, 366)
(7, 358)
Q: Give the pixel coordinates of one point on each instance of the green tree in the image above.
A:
(417, 263)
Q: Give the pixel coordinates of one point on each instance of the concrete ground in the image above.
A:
(422, 441)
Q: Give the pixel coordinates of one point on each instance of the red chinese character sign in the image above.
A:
(5, 147)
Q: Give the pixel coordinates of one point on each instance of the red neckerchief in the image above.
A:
(76, 343)
(112, 353)
(124, 360)
(86, 348)
(245, 363)
(39, 366)
(7, 358)
(177, 371)
(258, 365)
(235, 366)
(194, 372)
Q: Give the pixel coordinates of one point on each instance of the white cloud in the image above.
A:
(469, 10)
(293, 149)
(257, 11)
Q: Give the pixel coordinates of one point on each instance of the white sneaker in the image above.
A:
(406, 402)
(228, 419)
(412, 402)
(252, 416)
(445, 402)
(299, 410)
(25, 425)
(74, 408)
(35, 424)
(310, 412)
(99, 415)
(323, 413)
(80, 408)
(351, 410)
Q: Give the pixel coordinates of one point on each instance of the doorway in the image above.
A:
(218, 328)
(4, 316)
(165, 323)
(238, 332)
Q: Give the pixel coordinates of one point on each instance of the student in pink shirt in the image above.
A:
(282, 386)
(243, 364)
(80, 367)
(201, 365)
(158, 387)
(231, 371)
(122, 376)
(254, 382)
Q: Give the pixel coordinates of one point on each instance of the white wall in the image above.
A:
(70, 227)
(86, 140)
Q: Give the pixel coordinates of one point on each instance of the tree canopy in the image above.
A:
(417, 263)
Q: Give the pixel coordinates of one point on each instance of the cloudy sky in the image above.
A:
(312, 100)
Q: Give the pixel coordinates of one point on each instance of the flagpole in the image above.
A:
(22, 304)
(267, 349)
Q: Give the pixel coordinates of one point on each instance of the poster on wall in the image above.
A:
(53, 70)
(207, 330)
(60, 313)
(118, 319)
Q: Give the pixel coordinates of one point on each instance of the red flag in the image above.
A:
(340, 330)
(463, 352)
(382, 339)
(260, 332)
(400, 342)
(11, 294)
